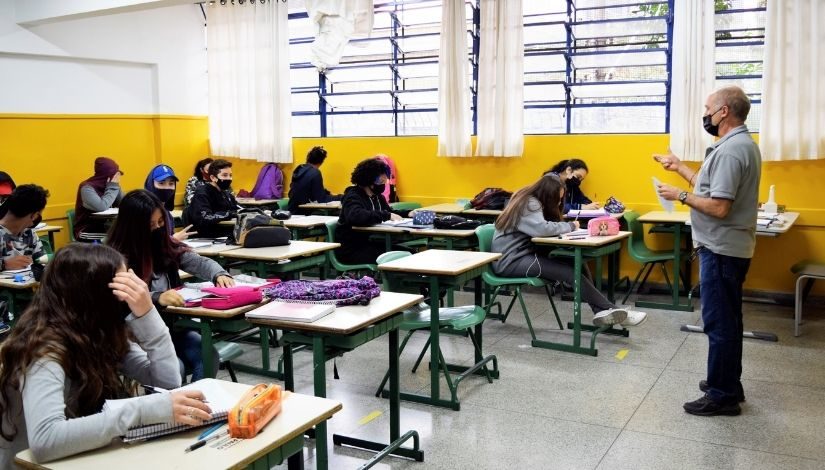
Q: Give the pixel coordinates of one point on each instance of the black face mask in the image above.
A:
(164, 194)
(224, 184)
(710, 127)
(574, 182)
(36, 221)
(158, 234)
(378, 188)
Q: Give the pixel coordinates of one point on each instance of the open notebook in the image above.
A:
(291, 311)
(218, 399)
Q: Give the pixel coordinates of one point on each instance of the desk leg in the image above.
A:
(612, 264)
(434, 340)
(319, 377)
(263, 333)
(289, 379)
(677, 266)
(206, 348)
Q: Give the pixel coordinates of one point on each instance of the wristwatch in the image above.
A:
(683, 196)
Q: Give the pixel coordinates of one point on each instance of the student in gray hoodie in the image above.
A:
(90, 335)
(535, 211)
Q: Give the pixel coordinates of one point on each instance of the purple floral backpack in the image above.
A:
(339, 292)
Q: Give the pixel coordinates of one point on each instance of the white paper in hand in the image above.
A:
(666, 205)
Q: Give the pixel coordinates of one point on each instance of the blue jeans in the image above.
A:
(188, 349)
(722, 278)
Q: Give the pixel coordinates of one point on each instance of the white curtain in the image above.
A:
(693, 77)
(500, 113)
(250, 114)
(793, 82)
(336, 21)
(453, 84)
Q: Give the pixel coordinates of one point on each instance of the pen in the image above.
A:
(211, 430)
(203, 442)
(154, 389)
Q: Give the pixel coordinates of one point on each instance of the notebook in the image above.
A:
(291, 311)
(220, 401)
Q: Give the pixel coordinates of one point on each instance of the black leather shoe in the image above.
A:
(707, 407)
(703, 386)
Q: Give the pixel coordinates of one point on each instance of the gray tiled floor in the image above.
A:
(620, 410)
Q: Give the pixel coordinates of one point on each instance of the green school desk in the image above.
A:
(445, 208)
(48, 231)
(678, 220)
(344, 330)
(590, 247)
(442, 268)
(392, 232)
(281, 439)
(16, 293)
(284, 260)
(308, 226)
(324, 208)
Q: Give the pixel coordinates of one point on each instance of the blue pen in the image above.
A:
(211, 430)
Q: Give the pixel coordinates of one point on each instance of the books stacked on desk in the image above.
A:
(291, 311)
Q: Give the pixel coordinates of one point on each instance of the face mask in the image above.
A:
(710, 127)
(378, 188)
(574, 182)
(224, 184)
(36, 221)
(158, 234)
(164, 194)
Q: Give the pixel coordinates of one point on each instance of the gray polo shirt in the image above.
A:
(732, 171)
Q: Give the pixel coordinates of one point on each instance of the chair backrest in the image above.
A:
(636, 244)
(331, 226)
(387, 283)
(404, 206)
(283, 203)
(485, 237)
(70, 219)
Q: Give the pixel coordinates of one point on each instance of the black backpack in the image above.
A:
(455, 222)
(491, 198)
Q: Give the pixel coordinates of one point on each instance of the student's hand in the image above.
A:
(115, 178)
(184, 234)
(224, 281)
(126, 286)
(669, 161)
(411, 214)
(394, 216)
(171, 298)
(591, 206)
(188, 407)
(576, 224)
(671, 193)
(17, 262)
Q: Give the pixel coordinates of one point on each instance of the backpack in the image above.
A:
(491, 198)
(455, 222)
(390, 193)
(270, 183)
(254, 229)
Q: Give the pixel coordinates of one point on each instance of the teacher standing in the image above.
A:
(723, 224)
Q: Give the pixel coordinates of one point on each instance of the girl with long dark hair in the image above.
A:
(140, 234)
(535, 211)
(200, 177)
(89, 335)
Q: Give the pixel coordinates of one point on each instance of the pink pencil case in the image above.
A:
(602, 226)
(225, 298)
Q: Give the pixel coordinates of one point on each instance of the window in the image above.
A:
(740, 43)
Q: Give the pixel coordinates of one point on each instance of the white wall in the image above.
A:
(143, 62)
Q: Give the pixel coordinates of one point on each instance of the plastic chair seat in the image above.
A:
(228, 351)
(404, 206)
(496, 280)
(457, 318)
(809, 268)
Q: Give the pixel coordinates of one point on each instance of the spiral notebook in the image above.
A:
(218, 399)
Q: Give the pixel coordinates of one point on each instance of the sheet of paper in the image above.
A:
(110, 211)
(666, 205)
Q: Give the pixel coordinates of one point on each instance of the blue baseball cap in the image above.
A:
(163, 172)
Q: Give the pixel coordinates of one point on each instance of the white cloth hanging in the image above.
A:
(250, 114)
(453, 84)
(336, 21)
(500, 112)
(693, 77)
(793, 82)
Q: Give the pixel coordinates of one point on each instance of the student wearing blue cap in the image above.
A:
(162, 182)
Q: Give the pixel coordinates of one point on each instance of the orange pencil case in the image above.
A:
(256, 408)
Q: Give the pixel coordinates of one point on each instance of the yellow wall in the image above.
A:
(58, 152)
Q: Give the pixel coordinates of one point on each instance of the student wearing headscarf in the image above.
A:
(98, 193)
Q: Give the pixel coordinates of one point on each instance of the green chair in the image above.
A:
(639, 251)
(283, 203)
(70, 220)
(333, 260)
(404, 206)
(485, 242)
(452, 319)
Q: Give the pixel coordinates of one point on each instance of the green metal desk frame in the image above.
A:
(676, 303)
(451, 282)
(326, 346)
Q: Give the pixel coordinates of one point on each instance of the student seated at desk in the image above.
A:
(19, 245)
(162, 182)
(200, 178)
(307, 183)
(86, 339)
(363, 205)
(572, 172)
(213, 202)
(140, 234)
(534, 212)
(96, 194)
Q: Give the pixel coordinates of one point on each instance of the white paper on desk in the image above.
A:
(40, 226)
(666, 205)
(110, 211)
(189, 294)
(197, 243)
(396, 222)
(13, 272)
